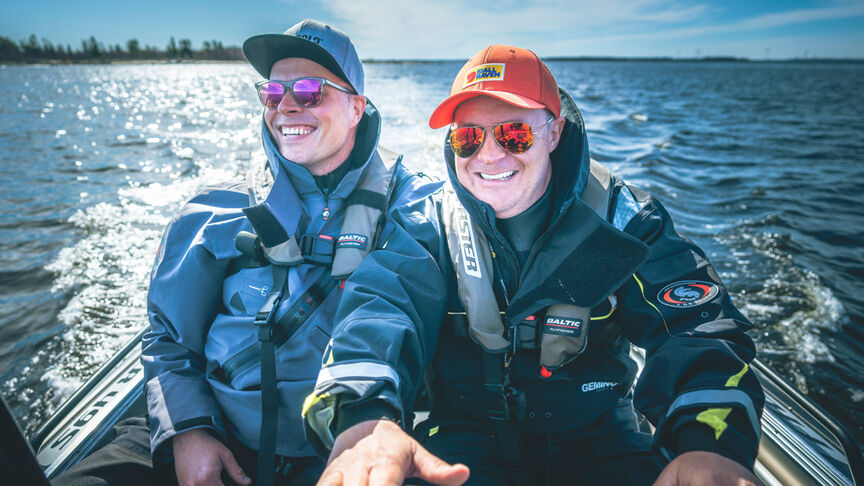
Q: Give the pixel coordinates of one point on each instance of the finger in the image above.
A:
(235, 472)
(332, 478)
(666, 478)
(355, 473)
(386, 475)
(430, 468)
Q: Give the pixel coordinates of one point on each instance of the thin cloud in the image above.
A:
(455, 29)
(761, 22)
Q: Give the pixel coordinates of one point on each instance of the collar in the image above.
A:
(365, 144)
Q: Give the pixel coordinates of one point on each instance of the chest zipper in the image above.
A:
(325, 213)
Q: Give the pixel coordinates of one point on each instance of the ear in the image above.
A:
(357, 105)
(556, 127)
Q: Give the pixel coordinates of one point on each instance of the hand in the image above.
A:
(698, 468)
(199, 459)
(380, 453)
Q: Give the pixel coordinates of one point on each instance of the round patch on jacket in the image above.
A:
(689, 293)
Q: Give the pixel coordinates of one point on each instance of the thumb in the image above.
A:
(429, 467)
(233, 469)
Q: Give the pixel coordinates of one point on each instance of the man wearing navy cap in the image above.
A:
(248, 281)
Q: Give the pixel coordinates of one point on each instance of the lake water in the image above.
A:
(759, 163)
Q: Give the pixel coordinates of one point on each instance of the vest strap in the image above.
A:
(269, 398)
(561, 339)
(296, 315)
(505, 407)
(364, 217)
(317, 249)
(472, 260)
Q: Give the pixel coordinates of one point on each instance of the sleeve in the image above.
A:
(182, 301)
(386, 326)
(696, 387)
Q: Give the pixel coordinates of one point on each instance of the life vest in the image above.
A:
(565, 327)
(366, 207)
(272, 244)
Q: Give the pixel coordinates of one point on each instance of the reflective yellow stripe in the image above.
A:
(604, 317)
(329, 359)
(716, 419)
(433, 431)
(642, 289)
(734, 379)
(311, 400)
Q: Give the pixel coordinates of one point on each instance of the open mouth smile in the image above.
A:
(502, 176)
(296, 131)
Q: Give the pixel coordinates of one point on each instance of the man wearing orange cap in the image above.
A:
(556, 266)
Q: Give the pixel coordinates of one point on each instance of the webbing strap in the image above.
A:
(269, 400)
(497, 407)
(503, 405)
(294, 317)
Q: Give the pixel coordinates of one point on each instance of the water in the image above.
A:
(760, 164)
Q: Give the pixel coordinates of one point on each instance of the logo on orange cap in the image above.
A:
(484, 72)
(529, 83)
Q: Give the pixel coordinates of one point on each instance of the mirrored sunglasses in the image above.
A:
(514, 137)
(307, 92)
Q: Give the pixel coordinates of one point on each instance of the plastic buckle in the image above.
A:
(517, 401)
(497, 405)
(265, 316)
(317, 249)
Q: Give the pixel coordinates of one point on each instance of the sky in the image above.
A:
(450, 29)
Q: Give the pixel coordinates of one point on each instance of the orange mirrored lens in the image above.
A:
(466, 140)
(514, 137)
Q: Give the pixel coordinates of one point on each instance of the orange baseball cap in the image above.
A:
(510, 74)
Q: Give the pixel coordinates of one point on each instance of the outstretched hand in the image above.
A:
(199, 459)
(380, 453)
(700, 468)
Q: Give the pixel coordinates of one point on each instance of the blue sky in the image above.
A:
(451, 29)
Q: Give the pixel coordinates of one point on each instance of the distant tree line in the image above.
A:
(91, 50)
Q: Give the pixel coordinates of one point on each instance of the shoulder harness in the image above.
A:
(565, 330)
(364, 216)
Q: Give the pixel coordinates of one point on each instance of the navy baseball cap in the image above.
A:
(311, 40)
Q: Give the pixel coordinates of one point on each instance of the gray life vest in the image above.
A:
(565, 327)
(364, 213)
(364, 216)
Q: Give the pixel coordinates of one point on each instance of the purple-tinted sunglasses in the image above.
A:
(307, 92)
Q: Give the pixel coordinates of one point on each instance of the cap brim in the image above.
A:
(443, 114)
(262, 51)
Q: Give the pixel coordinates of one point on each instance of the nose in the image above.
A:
(490, 152)
(288, 105)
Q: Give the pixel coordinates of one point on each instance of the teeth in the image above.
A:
(296, 130)
(497, 177)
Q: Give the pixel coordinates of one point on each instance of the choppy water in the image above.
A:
(759, 163)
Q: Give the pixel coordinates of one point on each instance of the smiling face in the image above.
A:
(318, 138)
(508, 182)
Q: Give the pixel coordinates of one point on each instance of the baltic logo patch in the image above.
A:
(484, 72)
(352, 240)
(466, 243)
(689, 293)
(564, 326)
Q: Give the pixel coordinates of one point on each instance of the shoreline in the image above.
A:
(440, 61)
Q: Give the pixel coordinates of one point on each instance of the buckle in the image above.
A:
(497, 406)
(264, 317)
(317, 249)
